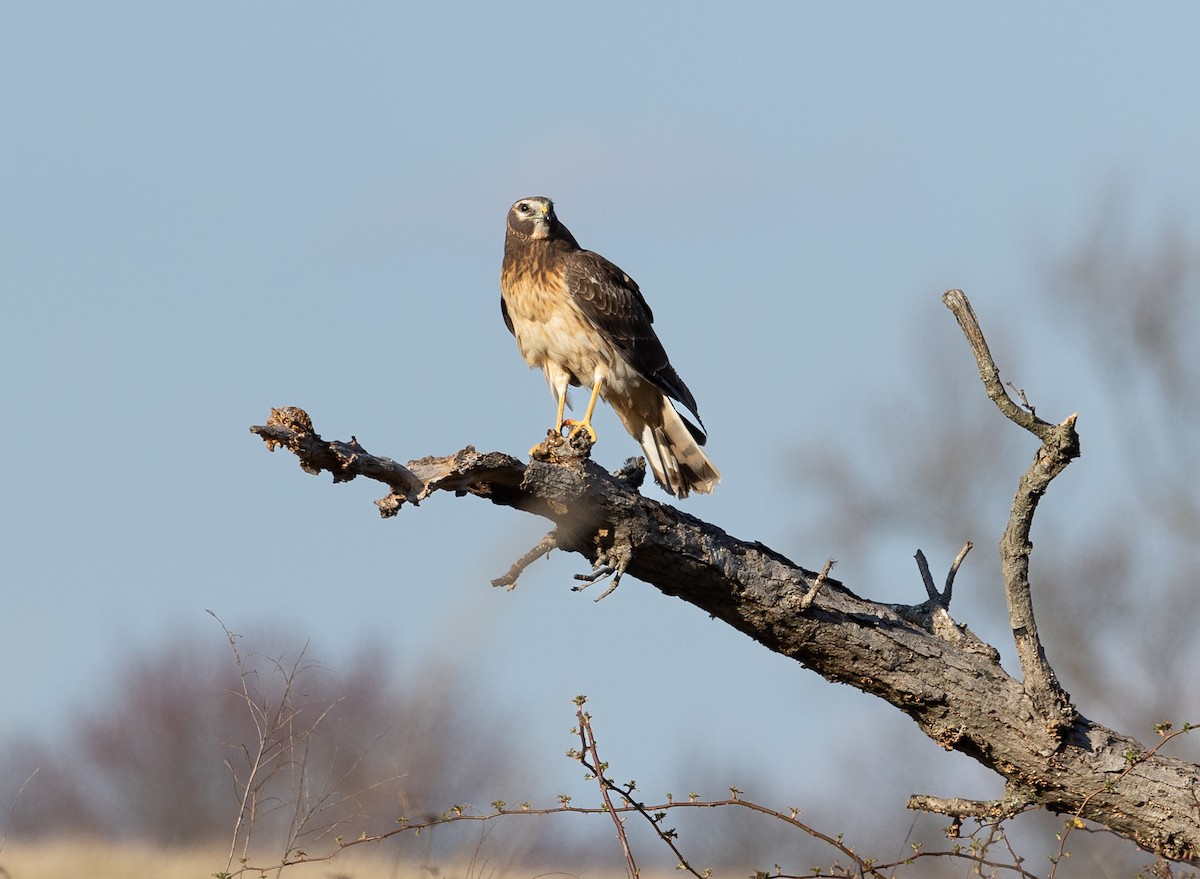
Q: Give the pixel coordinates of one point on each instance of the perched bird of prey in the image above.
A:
(583, 321)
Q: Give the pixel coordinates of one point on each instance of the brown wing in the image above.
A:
(611, 300)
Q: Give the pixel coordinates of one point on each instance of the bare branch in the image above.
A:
(948, 592)
(941, 599)
(589, 756)
(1060, 445)
(976, 854)
(927, 577)
(810, 596)
(541, 550)
(939, 673)
(13, 808)
(957, 302)
(957, 807)
(291, 428)
(931, 668)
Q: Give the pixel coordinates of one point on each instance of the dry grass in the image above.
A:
(99, 859)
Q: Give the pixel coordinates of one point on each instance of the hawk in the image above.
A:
(583, 322)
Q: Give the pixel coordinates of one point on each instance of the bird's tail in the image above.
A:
(673, 449)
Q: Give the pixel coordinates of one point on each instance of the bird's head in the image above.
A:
(532, 217)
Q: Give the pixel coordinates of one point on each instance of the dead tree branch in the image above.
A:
(540, 551)
(1060, 445)
(928, 666)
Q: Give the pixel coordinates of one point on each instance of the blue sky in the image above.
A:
(207, 211)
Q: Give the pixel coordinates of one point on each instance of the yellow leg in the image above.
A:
(586, 424)
(553, 437)
(562, 404)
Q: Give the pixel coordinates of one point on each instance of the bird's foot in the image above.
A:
(545, 450)
(580, 429)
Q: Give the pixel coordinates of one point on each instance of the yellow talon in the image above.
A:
(543, 450)
(586, 424)
(580, 427)
(554, 437)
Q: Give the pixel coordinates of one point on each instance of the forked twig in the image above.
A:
(587, 739)
(941, 599)
(1060, 445)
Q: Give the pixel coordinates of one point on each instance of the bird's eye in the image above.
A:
(523, 208)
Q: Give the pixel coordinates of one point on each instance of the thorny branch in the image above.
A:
(977, 853)
(589, 756)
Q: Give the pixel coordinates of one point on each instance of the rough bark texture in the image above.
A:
(917, 658)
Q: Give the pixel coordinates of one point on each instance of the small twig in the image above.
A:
(810, 596)
(12, 812)
(863, 867)
(655, 814)
(291, 427)
(612, 559)
(959, 808)
(1020, 392)
(600, 573)
(927, 578)
(541, 550)
(948, 592)
(282, 746)
(957, 302)
(941, 599)
(587, 739)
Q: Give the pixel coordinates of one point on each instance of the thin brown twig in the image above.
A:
(12, 811)
(953, 572)
(282, 744)
(596, 768)
(863, 866)
(810, 594)
(654, 814)
(541, 550)
(458, 813)
(587, 739)
(957, 302)
(959, 807)
(927, 577)
(941, 598)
